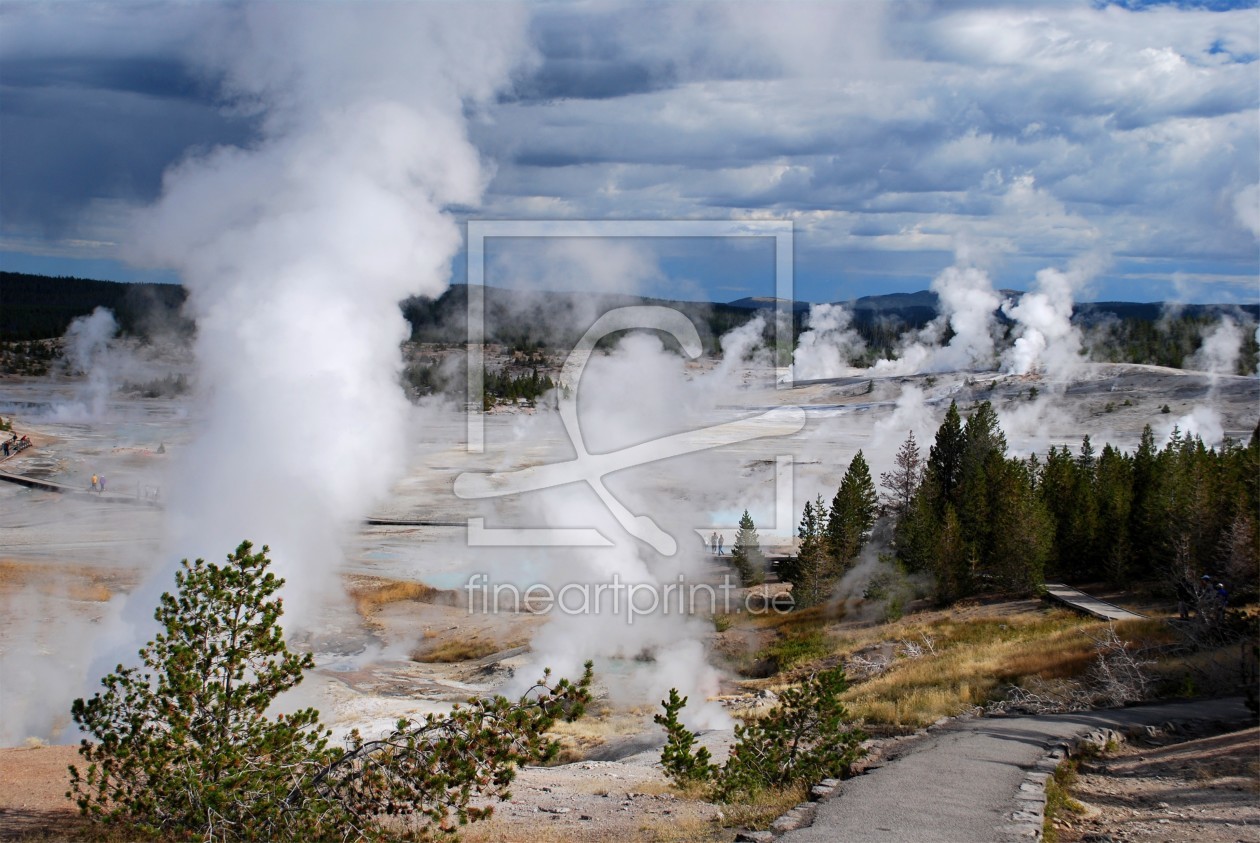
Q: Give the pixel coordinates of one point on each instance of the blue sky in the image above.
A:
(899, 137)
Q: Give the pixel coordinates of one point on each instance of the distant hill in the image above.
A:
(542, 318)
(765, 303)
(41, 307)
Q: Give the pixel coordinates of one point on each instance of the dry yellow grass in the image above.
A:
(973, 660)
(460, 650)
(764, 808)
(968, 655)
(596, 728)
(372, 594)
(681, 830)
(68, 582)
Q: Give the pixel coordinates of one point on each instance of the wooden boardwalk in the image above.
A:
(74, 491)
(114, 497)
(1082, 602)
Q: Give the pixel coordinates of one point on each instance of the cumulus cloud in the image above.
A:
(1247, 208)
(883, 130)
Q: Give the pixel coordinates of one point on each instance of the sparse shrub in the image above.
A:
(1033, 392)
(793, 649)
(804, 739)
(1165, 409)
(1117, 676)
(169, 386)
(892, 587)
(185, 749)
(683, 765)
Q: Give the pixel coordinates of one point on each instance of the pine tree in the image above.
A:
(852, 514)
(945, 458)
(1056, 485)
(746, 556)
(916, 532)
(1021, 532)
(951, 558)
(1083, 548)
(681, 761)
(1114, 494)
(904, 479)
(981, 436)
(191, 743)
(810, 570)
(186, 747)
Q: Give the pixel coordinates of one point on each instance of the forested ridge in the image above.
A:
(42, 307)
(972, 518)
(36, 307)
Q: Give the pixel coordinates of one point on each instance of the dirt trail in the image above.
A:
(1179, 787)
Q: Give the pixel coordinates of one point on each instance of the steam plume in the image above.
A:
(296, 251)
(1046, 338)
(823, 351)
(1218, 355)
(87, 347)
(968, 303)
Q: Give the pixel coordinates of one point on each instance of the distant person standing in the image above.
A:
(1221, 601)
(713, 543)
(102, 483)
(1186, 602)
(721, 542)
(96, 483)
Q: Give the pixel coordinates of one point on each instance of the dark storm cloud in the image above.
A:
(95, 106)
(67, 146)
(154, 76)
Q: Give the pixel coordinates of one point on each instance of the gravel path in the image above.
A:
(957, 784)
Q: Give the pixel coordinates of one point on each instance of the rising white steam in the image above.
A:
(968, 303)
(296, 251)
(966, 306)
(1203, 421)
(1218, 355)
(1046, 340)
(911, 414)
(742, 346)
(87, 349)
(824, 350)
(612, 604)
